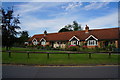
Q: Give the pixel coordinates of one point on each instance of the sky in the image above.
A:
(36, 17)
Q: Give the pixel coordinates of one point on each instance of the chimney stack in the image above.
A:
(86, 29)
(45, 33)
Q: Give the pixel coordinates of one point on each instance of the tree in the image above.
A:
(9, 27)
(23, 37)
(74, 27)
(64, 30)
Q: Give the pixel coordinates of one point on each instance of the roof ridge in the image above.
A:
(77, 31)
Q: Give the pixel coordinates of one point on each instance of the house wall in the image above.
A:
(47, 43)
(116, 43)
(55, 45)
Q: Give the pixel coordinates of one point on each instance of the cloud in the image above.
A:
(95, 5)
(37, 25)
(72, 5)
(103, 22)
(29, 7)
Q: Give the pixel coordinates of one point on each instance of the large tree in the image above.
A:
(74, 27)
(9, 27)
(23, 37)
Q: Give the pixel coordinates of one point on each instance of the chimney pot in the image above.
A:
(45, 33)
(86, 29)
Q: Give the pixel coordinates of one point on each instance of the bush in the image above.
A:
(47, 47)
(73, 48)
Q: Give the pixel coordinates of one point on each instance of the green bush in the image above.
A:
(74, 48)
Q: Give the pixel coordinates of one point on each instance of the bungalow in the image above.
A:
(90, 38)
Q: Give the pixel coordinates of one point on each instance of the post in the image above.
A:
(47, 55)
(9, 54)
(28, 54)
(68, 55)
(109, 54)
(89, 55)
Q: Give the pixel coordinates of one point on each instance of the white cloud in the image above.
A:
(26, 8)
(60, 0)
(103, 22)
(71, 6)
(31, 24)
(95, 5)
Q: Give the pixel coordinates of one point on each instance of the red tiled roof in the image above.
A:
(100, 34)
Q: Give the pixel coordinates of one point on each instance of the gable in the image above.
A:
(34, 40)
(42, 40)
(74, 38)
(91, 37)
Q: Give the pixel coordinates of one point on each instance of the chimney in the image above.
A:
(45, 33)
(86, 29)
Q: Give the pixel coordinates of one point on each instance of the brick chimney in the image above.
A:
(86, 29)
(45, 33)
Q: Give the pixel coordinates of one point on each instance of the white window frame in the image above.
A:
(34, 41)
(43, 42)
(73, 42)
(92, 42)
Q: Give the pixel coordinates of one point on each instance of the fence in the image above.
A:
(48, 56)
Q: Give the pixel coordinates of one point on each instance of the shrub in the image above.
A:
(73, 48)
(47, 47)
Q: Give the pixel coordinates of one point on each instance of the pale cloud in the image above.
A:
(31, 23)
(103, 22)
(60, 0)
(27, 8)
(95, 5)
(71, 6)
(37, 25)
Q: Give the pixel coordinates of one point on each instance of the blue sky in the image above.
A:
(35, 17)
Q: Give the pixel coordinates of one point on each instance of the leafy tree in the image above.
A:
(23, 37)
(74, 27)
(9, 27)
(64, 30)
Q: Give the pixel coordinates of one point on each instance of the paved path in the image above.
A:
(10, 71)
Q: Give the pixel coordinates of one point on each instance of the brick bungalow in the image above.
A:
(90, 38)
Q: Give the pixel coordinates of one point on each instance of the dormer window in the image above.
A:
(34, 41)
(74, 40)
(43, 41)
(92, 41)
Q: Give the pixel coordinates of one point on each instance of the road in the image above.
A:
(12, 71)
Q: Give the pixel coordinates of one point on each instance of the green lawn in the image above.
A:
(59, 59)
(30, 49)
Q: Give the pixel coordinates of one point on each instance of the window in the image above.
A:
(92, 43)
(43, 43)
(73, 42)
(35, 42)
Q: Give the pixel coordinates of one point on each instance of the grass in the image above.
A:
(30, 49)
(56, 59)
(59, 59)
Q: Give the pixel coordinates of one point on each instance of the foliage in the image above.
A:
(64, 30)
(110, 47)
(23, 37)
(9, 26)
(73, 48)
(74, 27)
